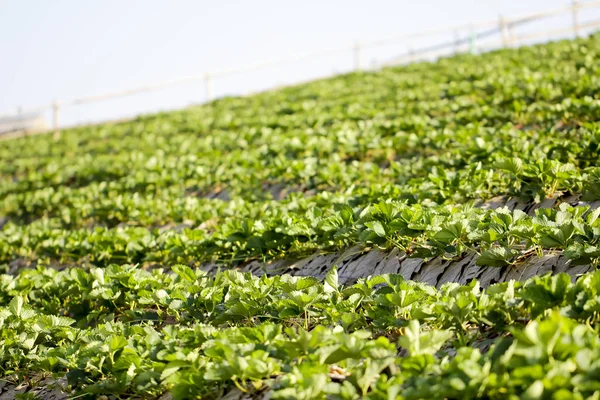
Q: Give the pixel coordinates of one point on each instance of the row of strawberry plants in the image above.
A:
(268, 155)
(380, 338)
(105, 204)
(498, 236)
(254, 133)
(370, 155)
(409, 154)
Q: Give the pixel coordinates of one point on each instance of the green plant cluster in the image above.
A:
(401, 158)
(498, 237)
(258, 177)
(127, 332)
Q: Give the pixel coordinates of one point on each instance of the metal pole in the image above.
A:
(357, 56)
(209, 87)
(574, 6)
(503, 32)
(55, 109)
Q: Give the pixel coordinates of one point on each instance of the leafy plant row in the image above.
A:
(389, 159)
(105, 205)
(499, 237)
(125, 331)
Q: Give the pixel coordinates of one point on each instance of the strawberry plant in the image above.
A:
(473, 163)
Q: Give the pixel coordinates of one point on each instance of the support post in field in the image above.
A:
(356, 51)
(503, 31)
(209, 87)
(411, 55)
(574, 5)
(511, 34)
(456, 42)
(472, 46)
(55, 110)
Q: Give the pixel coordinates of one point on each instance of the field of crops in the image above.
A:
(159, 258)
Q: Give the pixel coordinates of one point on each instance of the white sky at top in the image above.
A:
(71, 48)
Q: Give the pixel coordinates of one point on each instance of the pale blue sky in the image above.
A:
(72, 48)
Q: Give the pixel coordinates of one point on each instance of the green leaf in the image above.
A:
(513, 165)
(16, 306)
(496, 257)
(535, 391)
(418, 343)
(331, 281)
(184, 272)
(117, 343)
(376, 227)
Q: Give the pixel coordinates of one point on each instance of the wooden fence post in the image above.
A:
(456, 42)
(575, 18)
(210, 95)
(503, 31)
(357, 56)
(411, 55)
(472, 46)
(55, 109)
(511, 34)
